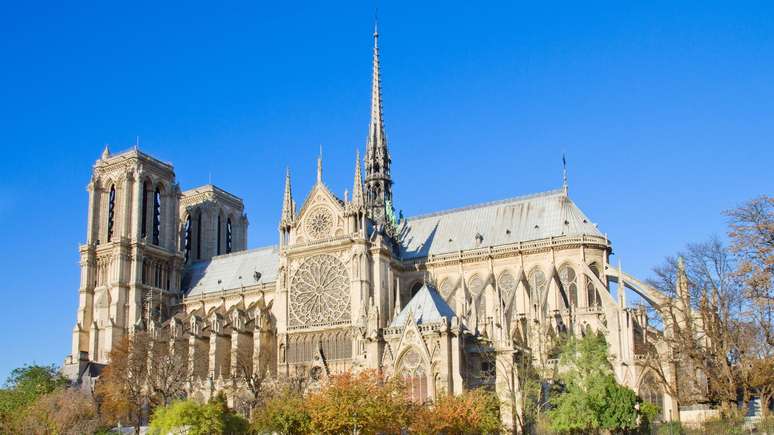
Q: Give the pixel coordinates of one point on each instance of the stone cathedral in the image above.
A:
(445, 300)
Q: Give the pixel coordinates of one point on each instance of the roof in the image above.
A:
(520, 219)
(427, 306)
(231, 271)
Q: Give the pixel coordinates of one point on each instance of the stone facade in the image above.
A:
(445, 300)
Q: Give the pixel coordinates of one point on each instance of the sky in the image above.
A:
(665, 111)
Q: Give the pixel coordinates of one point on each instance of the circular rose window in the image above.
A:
(319, 292)
(319, 223)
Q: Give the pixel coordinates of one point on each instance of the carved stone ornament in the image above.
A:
(319, 292)
(319, 223)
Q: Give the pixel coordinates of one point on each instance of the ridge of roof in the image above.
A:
(488, 204)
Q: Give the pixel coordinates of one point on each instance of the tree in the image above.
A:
(751, 230)
(24, 386)
(122, 387)
(63, 411)
(284, 411)
(168, 371)
(473, 412)
(360, 403)
(592, 400)
(197, 419)
(704, 325)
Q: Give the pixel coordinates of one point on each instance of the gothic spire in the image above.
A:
(357, 187)
(377, 160)
(287, 202)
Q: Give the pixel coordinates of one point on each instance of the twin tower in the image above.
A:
(143, 231)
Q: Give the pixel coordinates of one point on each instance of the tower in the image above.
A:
(378, 182)
(130, 263)
(212, 222)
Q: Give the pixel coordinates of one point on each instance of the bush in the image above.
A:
(197, 419)
(283, 412)
(670, 428)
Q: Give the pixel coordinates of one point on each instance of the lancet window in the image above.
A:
(569, 282)
(415, 375)
(111, 212)
(228, 236)
(156, 216)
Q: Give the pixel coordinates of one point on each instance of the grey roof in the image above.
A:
(427, 306)
(232, 270)
(519, 219)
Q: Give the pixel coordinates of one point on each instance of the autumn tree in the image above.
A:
(472, 412)
(360, 403)
(122, 387)
(63, 411)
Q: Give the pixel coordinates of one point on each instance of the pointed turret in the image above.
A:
(357, 186)
(378, 182)
(288, 205)
(106, 152)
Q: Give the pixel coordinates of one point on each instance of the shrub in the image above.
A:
(197, 419)
(670, 428)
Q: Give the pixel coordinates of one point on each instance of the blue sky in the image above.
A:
(665, 112)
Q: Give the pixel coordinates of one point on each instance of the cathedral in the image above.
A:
(447, 300)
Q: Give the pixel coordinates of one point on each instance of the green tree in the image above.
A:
(284, 411)
(198, 419)
(24, 386)
(592, 400)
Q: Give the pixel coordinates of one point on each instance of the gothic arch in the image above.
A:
(568, 278)
(650, 390)
(413, 367)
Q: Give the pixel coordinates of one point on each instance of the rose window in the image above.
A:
(319, 223)
(319, 292)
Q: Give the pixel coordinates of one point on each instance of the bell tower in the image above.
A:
(130, 263)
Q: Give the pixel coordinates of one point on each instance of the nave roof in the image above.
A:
(519, 219)
(231, 271)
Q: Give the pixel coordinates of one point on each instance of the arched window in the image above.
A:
(476, 287)
(592, 294)
(111, 212)
(219, 232)
(228, 236)
(199, 236)
(537, 284)
(415, 288)
(446, 289)
(569, 284)
(650, 390)
(507, 284)
(187, 238)
(156, 216)
(144, 220)
(414, 374)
